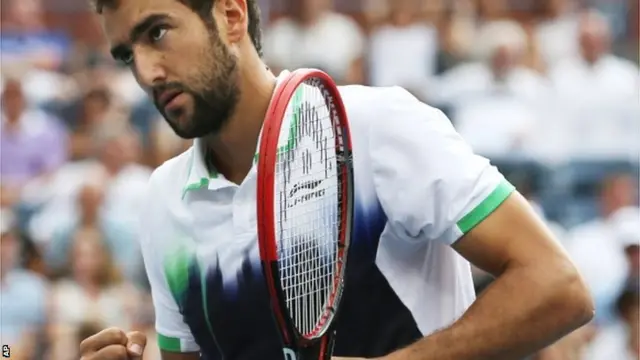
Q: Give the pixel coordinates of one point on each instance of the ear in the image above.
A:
(236, 17)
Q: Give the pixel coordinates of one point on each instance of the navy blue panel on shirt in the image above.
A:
(372, 322)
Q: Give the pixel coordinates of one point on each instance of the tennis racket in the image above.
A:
(305, 210)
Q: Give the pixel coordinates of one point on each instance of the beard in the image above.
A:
(215, 100)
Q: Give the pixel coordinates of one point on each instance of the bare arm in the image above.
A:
(537, 298)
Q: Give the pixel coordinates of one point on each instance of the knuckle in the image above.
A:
(138, 337)
(114, 333)
(83, 347)
(121, 353)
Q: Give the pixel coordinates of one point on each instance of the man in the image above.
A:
(34, 143)
(421, 195)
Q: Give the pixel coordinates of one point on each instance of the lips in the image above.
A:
(166, 96)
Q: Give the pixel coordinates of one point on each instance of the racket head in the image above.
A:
(281, 269)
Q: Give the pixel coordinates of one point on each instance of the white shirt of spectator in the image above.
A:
(333, 44)
(467, 81)
(403, 55)
(597, 248)
(611, 342)
(556, 39)
(611, 78)
(412, 170)
(597, 108)
(496, 124)
(123, 197)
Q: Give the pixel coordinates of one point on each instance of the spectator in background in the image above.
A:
(593, 110)
(571, 347)
(492, 10)
(620, 341)
(114, 169)
(93, 110)
(500, 47)
(627, 225)
(494, 102)
(315, 36)
(596, 247)
(456, 35)
(403, 50)
(597, 95)
(556, 35)
(93, 292)
(23, 295)
(27, 42)
(118, 236)
(595, 75)
(34, 144)
(164, 143)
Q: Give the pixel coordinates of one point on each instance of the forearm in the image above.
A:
(520, 313)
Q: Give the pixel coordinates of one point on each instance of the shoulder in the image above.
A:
(374, 99)
(29, 279)
(341, 21)
(379, 109)
(624, 66)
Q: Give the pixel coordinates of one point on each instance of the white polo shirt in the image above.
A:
(419, 188)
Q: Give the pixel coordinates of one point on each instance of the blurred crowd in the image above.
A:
(549, 90)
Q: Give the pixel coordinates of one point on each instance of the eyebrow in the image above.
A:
(141, 27)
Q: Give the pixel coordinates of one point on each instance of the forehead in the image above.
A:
(118, 20)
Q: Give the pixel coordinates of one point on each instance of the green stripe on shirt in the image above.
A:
(170, 344)
(486, 207)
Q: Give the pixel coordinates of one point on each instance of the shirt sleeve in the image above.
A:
(173, 334)
(428, 180)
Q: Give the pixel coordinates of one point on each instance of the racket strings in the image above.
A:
(308, 203)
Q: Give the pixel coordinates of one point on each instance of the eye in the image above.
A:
(127, 58)
(157, 33)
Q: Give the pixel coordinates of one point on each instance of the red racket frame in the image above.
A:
(321, 337)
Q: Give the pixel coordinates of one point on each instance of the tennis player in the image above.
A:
(426, 206)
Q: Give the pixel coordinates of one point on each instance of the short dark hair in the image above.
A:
(203, 9)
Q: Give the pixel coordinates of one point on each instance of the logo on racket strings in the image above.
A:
(303, 187)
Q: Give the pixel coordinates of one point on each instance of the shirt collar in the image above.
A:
(199, 176)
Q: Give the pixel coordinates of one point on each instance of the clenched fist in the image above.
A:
(113, 344)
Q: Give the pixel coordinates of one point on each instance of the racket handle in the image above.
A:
(322, 350)
(330, 342)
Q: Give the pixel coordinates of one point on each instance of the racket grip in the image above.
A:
(330, 342)
(322, 350)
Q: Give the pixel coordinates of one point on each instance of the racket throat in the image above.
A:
(318, 350)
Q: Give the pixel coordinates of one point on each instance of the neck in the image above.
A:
(401, 19)
(12, 120)
(113, 168)
(232, 150)
(88, 285)
(89, 219)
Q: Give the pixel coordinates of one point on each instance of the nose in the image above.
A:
(148, 68)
